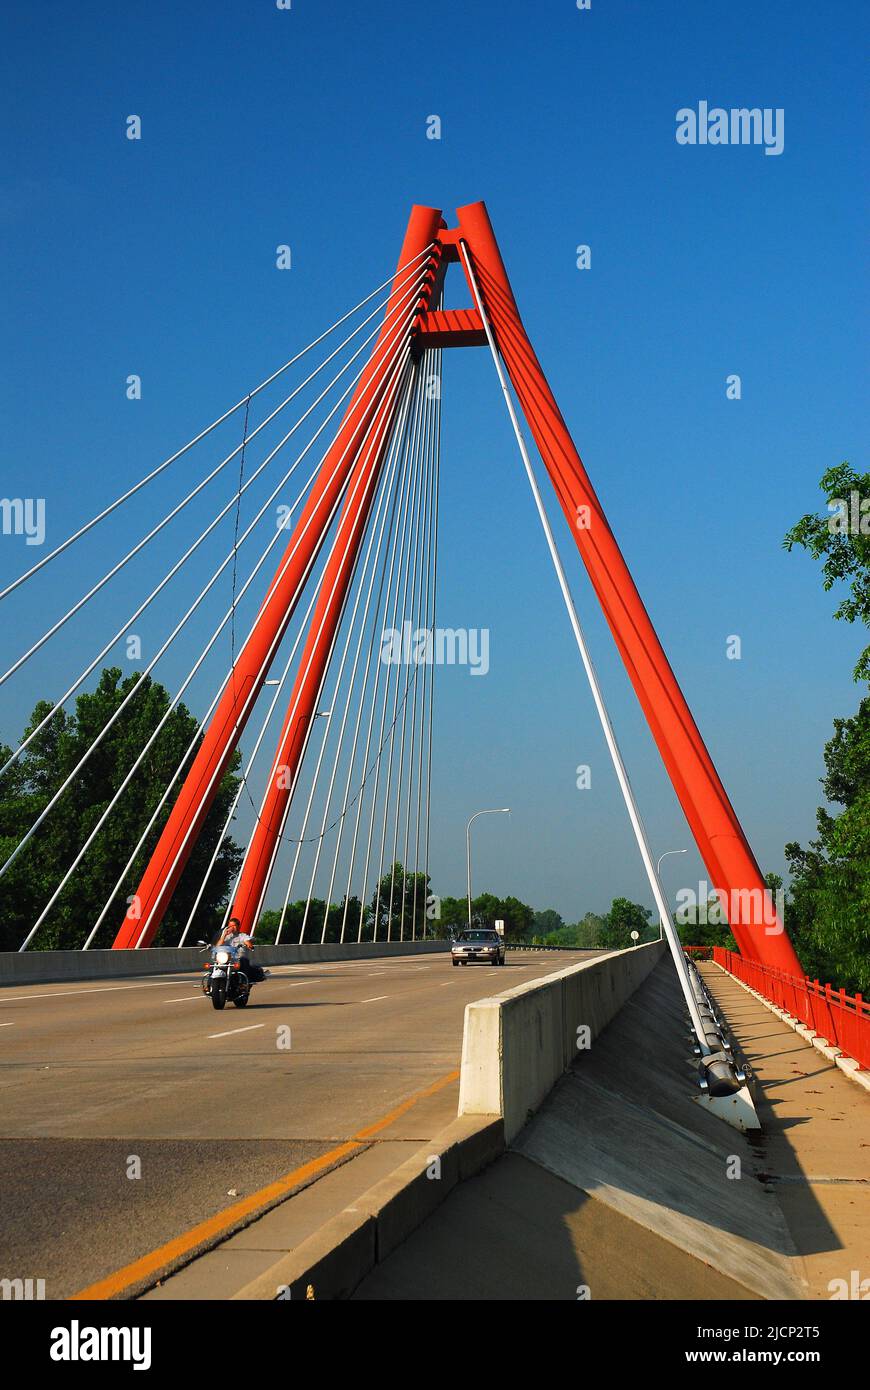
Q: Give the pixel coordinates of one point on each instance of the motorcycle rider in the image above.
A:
(237, 940)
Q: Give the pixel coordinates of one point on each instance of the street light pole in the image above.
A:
(658, 867)
(494, 811)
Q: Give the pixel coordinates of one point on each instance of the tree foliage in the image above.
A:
(828, 913)
(623, 918)
(842, 539)
(828, 909)
(29, 784)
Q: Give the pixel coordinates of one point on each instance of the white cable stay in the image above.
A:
(625, 787)
(360, 705)
(334, 771)
(249, 396)
(428, 664)
(82, 677)
(179, 507)
(401, 585)
(412, 437)
(401, 529)
(432, 622)
(413, 609)
(402, 448)
(406, 610)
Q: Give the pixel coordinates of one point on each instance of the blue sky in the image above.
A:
(308, 127)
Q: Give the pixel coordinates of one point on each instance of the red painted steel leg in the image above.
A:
(712, 818)
(370, 406)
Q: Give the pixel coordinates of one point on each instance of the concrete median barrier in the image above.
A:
(516, 1045)
(55, 967)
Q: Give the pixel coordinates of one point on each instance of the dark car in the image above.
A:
(481, 945)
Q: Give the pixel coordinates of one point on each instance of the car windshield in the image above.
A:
(479, 936)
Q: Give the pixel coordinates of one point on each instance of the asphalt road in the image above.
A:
(131, 1112)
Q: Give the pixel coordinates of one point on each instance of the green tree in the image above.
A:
(518, 917)
(828, 908)
(452, 917)
(394, 910)
(828, 911)
(623, 918)
(548, 922)
(28, 785)
(843, 539)
(704, 924)
(589, 930)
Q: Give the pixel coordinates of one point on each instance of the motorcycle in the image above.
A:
(224, 977)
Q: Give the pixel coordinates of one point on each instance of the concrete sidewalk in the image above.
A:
(815, 1145)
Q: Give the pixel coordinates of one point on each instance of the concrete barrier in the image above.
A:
(54, 967)
(516, 1045)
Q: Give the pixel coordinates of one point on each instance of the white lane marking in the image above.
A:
(250, 1029)
(379, 972)
(103, 989)
(376, 1000)
(184, 998)
(7, 1025)
(164, 983)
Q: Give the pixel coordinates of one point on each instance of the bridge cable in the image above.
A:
(263, 509)
(353, 755)
(410, 570)
(409, 425)
(176, 510)
(124, 497)
(414, 612)
(594, 685)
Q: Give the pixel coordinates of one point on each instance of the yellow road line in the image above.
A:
(222, 1221)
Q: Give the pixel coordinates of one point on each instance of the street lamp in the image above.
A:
(658, 866)
(494, 811)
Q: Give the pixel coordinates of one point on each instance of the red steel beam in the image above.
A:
(369, 416)
(712, 819)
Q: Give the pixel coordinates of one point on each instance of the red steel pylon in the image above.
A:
(713, 822)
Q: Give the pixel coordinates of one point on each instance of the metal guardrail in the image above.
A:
(841, 1019)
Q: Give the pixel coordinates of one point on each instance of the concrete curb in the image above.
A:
(848, 1066)
(56, 967)
(332, 1262)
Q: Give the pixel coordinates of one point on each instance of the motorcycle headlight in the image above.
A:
(222, 957)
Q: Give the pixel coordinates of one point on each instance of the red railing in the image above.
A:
(841, 1019)
(699, 952)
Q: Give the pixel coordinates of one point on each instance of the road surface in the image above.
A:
(137, 1124)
